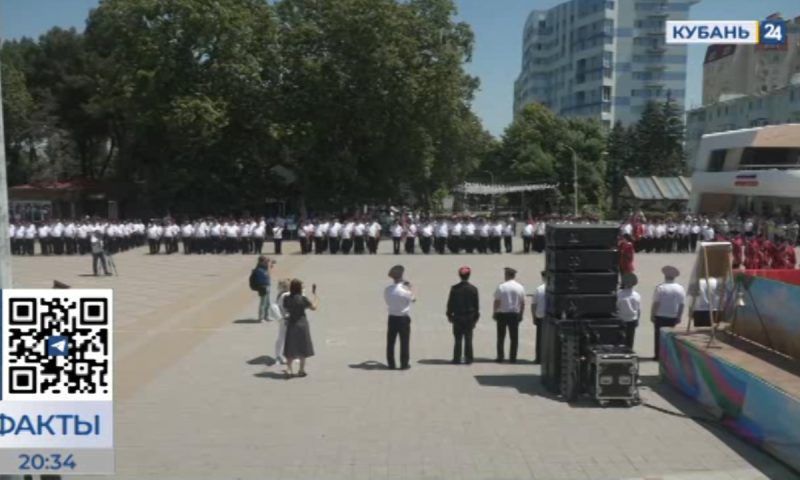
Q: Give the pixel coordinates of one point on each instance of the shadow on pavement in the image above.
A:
(440, 361)
(369, 365)
(271, 375)
(769, 466)
(527, 384)
(247, 321)
(263, 360)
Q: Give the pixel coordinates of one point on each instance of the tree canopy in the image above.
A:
(200, 102)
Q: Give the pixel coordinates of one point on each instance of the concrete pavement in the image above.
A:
(197, 395)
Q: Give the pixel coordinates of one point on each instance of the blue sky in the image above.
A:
(498, 38)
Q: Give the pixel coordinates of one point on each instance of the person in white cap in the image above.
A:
(629, 306)
(398, 297)
(668, 303)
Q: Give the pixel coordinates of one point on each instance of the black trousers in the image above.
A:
(469, 244)
(396, 241)
(693, 241)
(507, 242)
(526, 244)
(398, 326)
(462, 333)
(359, 245)
(372, 245)
(510, 322)
(659, 323)
(278, 244)
(334, 244)
(319, 245)
(425, 244)
(537, 324)
(483, 244)
(347, 245)
(630, 333)
(410, 242)
(440, 243)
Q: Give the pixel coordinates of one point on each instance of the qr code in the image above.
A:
(57, 345)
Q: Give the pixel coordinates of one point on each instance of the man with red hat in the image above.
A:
(463, 311)
(626, 252)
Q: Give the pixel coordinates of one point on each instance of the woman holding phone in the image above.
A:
(298, 344)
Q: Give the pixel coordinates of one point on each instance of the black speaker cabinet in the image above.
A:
(578, 282)
(582, 236)
(581, 306)
(582, 260)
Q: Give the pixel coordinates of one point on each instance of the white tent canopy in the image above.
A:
(468, 188)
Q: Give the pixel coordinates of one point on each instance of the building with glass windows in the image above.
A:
(602, 59)
(747, 86)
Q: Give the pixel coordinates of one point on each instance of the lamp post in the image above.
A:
(491, 179)
(5, 242)
(574, 177)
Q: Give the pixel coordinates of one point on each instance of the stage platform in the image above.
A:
(750, 390)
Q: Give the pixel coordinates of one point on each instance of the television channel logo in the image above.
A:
(767, 32)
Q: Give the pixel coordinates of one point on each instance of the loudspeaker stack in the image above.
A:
(582, 265)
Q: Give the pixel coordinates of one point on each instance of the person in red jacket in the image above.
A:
(767, 253)
(790, 255)
(752, 254)
(738, 246)
(626, 252)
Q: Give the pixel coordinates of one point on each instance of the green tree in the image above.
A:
(620, 148)
(188, 87)
(375, 98)
(18, 109)
(659, 141)
(536, 148)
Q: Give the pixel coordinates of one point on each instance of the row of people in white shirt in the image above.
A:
(73, 237)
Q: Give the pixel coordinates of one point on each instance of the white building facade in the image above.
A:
(602, 59)
(747, 86)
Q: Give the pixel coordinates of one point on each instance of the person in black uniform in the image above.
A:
(463, 311)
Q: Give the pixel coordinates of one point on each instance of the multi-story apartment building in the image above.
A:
(602, 59)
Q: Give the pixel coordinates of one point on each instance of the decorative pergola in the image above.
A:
(468, 188)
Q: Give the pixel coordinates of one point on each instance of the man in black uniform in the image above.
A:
(463, 312)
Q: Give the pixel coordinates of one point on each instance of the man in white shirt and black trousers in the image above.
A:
(668, 302)
(539, 307)
(398, 296)
(509, 305)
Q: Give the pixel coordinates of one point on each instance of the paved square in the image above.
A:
(195, 397)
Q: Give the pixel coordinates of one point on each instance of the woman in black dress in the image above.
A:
(298, 334)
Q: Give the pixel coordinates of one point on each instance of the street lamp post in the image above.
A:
(491, 179)
(5, 242)
(574, 177)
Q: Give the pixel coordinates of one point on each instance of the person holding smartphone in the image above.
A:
(398, 297)
(298, 344)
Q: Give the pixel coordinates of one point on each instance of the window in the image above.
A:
(606, 93)
(717, 161)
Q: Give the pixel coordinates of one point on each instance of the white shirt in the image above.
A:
(540, 299)
(359, 230)
(375, 230)
(427, 231)
(335, 230)
(20, 233)
(442, 230)
(527, 231)
(627, 229)
(629, 304)
(540, 228)
(497, 230)
(44, 231)
(485, 230)
(469, 229)
(397, 231)
(511, 295)
(703, 301)
(277, 233)
(83, 232)
(412, 231)
(398, 299)
(508, 230)
(708, 234)
(347, 231)
(30, 232)
(670, 296)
